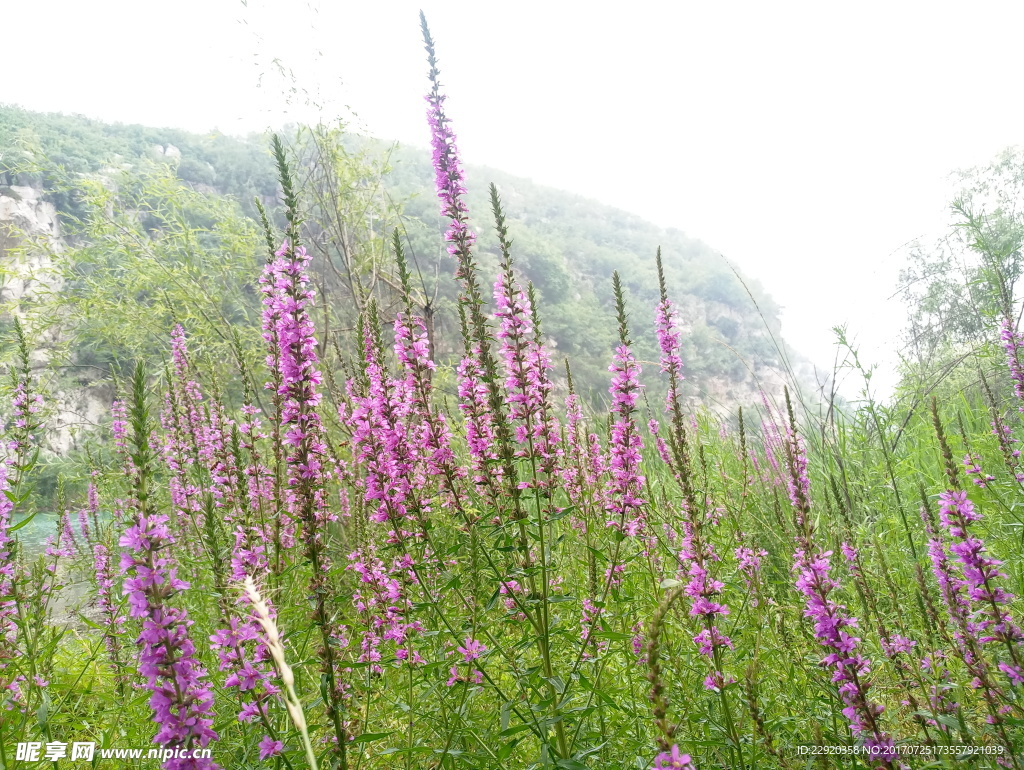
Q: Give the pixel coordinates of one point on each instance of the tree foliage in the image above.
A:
(355, 192)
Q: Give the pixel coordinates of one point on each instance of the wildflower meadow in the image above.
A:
(360, 556)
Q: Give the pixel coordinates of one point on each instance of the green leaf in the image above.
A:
(506, 751)
(43, 714)
(570, 764)
(494, 600)
(23, 522)
(614, 636)
(562, 513)
(943, 719)
(513, 730)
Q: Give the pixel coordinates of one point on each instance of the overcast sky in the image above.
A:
(808, 142)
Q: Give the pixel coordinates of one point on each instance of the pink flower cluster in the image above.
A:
(381, 597)
(669, 342)
(811, 569)
(243, 654)
(448, 172)
(1013, 343)
(428, 432)
(8, 608)
(748, 561)
(181, 699)
(470, 650)
(380, 439)
(479, 424)
(696, 556)
(526, 382)
(109, 608)
(287, 299)
(673, 760)
(586, 464)
(989, 619)
(624, 493)
(849, 669)
(972, 466)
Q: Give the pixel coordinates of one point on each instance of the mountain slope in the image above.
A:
(565, 244)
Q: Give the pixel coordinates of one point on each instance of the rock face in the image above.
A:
(170, 151)
(24, 216)
(29, 233)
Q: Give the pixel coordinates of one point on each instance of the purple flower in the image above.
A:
(897, 644)
(668, 336)
(426, 429)
(8, 608)
(797, 480)
(717, 681)
(384, 444)
(287, 297)
(639, 643)
(243, 653)
(471, 649)
(956, 511)
(479, 423)
(982, 613)
(1012, 344)
(110, 610)
(832, 623)
(448, 176)
(974, 472)
(382, 599)
(26, 408)
(673, 760)
(526, 365)
(1015, 674)
(624, 493)
(749, 563)
(269, 747)
(119, 426)
(181, 700)
(289, 332)
(585, 461)
(669, 342)
(696, 556)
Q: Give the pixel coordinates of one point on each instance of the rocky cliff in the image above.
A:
(29, 231)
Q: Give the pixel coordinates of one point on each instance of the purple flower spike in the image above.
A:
(832, 623)
(978, 594)
(181, 699)
(625, 503)
(8, 609)
(448, 176)
(1013, 343)
(527, 382)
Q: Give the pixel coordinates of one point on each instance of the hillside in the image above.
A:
(565, 244)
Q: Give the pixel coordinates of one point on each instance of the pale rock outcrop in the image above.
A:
(29, 233)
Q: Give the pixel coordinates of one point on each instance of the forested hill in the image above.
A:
(567, 245)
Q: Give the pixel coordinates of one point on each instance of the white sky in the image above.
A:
(808, 142)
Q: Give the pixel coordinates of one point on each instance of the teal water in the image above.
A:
(32, 536)
(75, 594)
